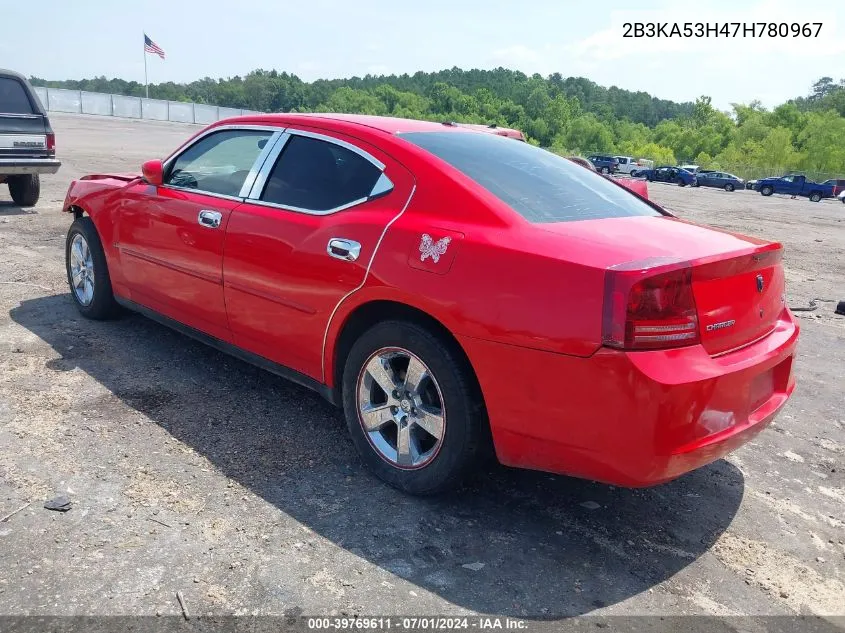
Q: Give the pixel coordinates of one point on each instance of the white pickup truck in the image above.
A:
(629, 165)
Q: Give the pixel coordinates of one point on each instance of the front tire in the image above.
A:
(88, 272)
(605, 170)
(25, 190)
(413, 408)
(680, 182)
(766, 191)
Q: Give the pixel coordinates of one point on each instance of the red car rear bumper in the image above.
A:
(631, 419)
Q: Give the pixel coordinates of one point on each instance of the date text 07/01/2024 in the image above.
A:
(415, 623)
(721, 29)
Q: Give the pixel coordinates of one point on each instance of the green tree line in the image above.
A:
(570, 114)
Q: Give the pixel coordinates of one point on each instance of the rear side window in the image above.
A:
(316, 175)
(537, 184)
(13, 97)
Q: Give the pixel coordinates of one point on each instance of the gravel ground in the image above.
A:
(190, 471)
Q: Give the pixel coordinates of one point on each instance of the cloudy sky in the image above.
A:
(330, 38)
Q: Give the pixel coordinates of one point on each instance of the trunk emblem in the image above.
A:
(721, 325)
(760, 283)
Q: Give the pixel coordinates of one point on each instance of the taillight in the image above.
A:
(51, 142)
(649, 311)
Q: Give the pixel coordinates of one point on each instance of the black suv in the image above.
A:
(603, 163)
(27, 142)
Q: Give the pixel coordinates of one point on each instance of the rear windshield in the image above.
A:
(537, 184)
(13, 97)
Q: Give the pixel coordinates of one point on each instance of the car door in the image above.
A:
(304, 239)
(170, 238)
(785, 185)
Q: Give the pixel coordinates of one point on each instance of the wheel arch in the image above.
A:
(367, 313)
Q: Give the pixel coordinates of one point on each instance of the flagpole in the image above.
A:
(146, 83)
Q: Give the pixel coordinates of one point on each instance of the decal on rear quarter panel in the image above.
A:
(435, 251)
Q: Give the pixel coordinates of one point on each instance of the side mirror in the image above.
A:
(153, 172)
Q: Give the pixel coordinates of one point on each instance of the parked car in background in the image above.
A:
(27, 142)
(750, 184)
(838, 185)
(794, 185)
(402, 269)
(841, 197)
(719, 179)
(666, 173)
(603, 163)
(693, 169)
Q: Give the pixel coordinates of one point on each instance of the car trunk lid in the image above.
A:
(739, 299)
(737, 281)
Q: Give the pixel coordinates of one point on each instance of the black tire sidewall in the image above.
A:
(103, 305)
(729, 187)
(25, 189)
(766, 191)
(464, 411)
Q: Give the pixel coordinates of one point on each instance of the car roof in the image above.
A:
(12, 73)
(388, 124)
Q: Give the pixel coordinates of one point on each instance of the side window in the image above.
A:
(13, 97)
(218, 163)
(316, 175)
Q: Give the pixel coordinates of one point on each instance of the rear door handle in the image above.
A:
(341, 248)
(209, 219)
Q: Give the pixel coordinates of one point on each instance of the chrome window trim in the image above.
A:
(382, 185)
(259, 163)
(284, 207)
(275, 133)
(331, 139)
(264, 172)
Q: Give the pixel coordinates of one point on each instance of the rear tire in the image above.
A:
(815, 196)
(633, 173)
(605, 170)
(88, 272)
(766, 191)
(729, 187)
(448, 404)
(680, 182)
(25, 190)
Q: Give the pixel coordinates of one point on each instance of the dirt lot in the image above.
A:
(190, 471)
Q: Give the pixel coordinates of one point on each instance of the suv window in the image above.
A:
(13, 97)
(537, 184)
(316, 175)
(218, 163)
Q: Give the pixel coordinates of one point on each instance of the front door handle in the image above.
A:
(209, 219)
(341, 248)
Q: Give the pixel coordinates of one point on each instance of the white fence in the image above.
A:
(81, 102)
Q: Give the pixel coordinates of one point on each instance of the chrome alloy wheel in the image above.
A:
(400, 407)
(81, 270)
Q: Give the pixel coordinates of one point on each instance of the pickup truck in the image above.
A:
(27, 142)
(794, 185)
(629, 165)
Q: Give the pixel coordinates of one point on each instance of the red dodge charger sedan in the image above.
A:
(455, 292)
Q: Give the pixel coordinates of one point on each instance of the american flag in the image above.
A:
(152, 47)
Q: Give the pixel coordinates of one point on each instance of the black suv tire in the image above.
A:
(25, 190)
